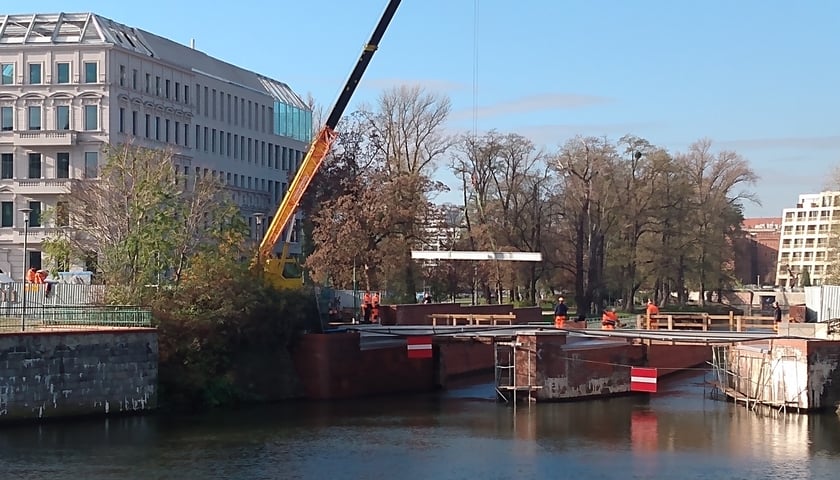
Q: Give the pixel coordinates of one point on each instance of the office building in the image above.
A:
(806, 237)
(73, 82)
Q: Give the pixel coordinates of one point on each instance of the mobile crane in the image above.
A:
(282, 272)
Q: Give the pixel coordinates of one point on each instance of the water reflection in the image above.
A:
(677, 433)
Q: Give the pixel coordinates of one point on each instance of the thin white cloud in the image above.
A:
(553, 135)
(822, 142)
(433, 84)
(533, 103)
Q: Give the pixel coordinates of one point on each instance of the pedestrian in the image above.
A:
(427, 298)
(367, 307)
(374, 311)
(609, 319)
(561, 313)
(652, 311)
(777, 316)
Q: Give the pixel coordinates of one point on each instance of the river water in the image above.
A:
(678, 433)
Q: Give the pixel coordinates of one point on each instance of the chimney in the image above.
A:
(192, 43)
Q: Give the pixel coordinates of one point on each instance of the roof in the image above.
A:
(92, 29)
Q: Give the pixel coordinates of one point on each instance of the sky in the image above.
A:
(761, 78)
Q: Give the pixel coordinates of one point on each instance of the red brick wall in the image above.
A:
(459, 358)
(673, 358)
(332, 366)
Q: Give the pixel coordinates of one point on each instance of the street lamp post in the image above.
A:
(25, 212)
(258, 219)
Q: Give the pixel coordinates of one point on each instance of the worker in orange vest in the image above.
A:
(609, 319)
(375, 308)
(561, 313)
(367, 306)
(31, 275)
(652, 310)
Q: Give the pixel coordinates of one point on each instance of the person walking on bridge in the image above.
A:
(561, 313)
(652, 311)
(777, 316)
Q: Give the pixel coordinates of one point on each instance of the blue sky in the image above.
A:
(758, 77)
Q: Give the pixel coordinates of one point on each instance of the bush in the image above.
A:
(225, 336)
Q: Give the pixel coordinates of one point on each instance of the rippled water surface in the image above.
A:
(678, 433)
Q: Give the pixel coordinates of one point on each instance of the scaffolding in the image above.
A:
(509, 386)
(747, 377)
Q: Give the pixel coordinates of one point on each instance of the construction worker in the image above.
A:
(367, 307)
(561, 313)
(777, 316)
(609, 319)
(651, 311)
(375, 308)
(31, 275)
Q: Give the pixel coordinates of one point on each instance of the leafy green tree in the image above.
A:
(142, 219)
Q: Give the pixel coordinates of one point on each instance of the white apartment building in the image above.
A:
(805, 238)
(71, 83)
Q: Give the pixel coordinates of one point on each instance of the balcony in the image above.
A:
(42, 186)
(45, 138)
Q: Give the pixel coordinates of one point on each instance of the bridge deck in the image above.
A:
(376, 336)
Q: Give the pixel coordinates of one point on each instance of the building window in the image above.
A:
(62, 117)
(157, 86)
(35, 74)
(133, 122)
(122, 120)
(34, 118)
(134, 78)
(177, 132)
(34, 165)
(166, 89)
(166, 130)
(148, 125)
(91, 72)
(63, 72)
(35, 214)
(157, 128)
(148, 83)
(186, 94)
(62, 215)
(62, 165)
(8, 73)
(91, 164)
(177, 92)
(7, 166)
(91, 117)
(7, 119)
(8, 214)
(122, 75)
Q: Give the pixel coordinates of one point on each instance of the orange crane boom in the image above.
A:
(318, 150)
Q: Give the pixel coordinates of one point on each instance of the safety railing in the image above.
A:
(15, 317)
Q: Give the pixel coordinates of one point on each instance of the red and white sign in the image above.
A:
(642, 379)
(419, 347)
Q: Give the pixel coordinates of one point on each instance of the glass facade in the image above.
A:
(293, 122)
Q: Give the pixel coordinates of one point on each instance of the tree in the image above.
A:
(588, 210)
(805, 278)
(380, 209)
(716, 202)
(140, 217)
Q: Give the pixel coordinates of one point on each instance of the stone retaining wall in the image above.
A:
(63, 374)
